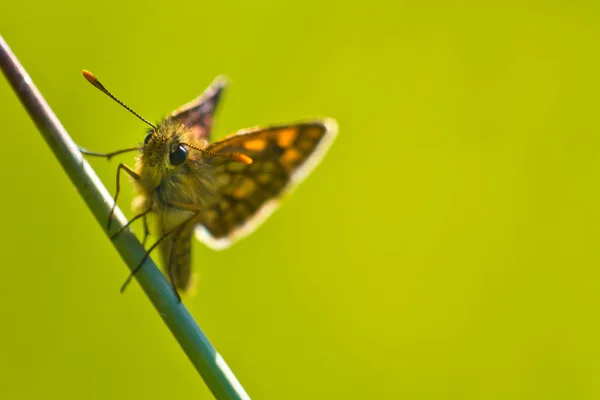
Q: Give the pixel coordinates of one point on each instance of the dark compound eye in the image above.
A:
(178, 156)
(147, 139)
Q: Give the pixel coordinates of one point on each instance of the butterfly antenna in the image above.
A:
(94, 81)
(239, 157)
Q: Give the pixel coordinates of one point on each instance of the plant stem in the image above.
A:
(195, 344)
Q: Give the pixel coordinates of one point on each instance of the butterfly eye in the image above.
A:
(178, 156)
(147, 139)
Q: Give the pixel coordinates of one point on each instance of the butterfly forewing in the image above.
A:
(198, 114)
(281, 156)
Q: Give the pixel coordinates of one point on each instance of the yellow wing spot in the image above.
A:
(255, 144)
(286, 137)
(246, 187)
(290, 157)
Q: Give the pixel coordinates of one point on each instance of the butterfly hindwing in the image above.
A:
(282, 156)
(176, 256)
(198, 114)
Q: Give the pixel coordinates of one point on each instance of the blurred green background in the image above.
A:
(447, 246)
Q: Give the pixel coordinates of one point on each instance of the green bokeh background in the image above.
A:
(447, 246)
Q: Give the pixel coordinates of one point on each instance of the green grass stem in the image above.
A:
(207, 361)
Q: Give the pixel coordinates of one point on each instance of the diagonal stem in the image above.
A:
(194, 343)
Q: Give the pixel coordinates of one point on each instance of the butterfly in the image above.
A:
(218, 192)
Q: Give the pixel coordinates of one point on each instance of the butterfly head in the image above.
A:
(168, 145)
(164, 146)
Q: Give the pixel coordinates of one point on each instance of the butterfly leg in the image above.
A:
(176, 229)
(146, 231)
(133, 175)
(117, 233)
(108, 156)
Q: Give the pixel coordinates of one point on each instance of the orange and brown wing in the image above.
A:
(198, 114)
(282, 156)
